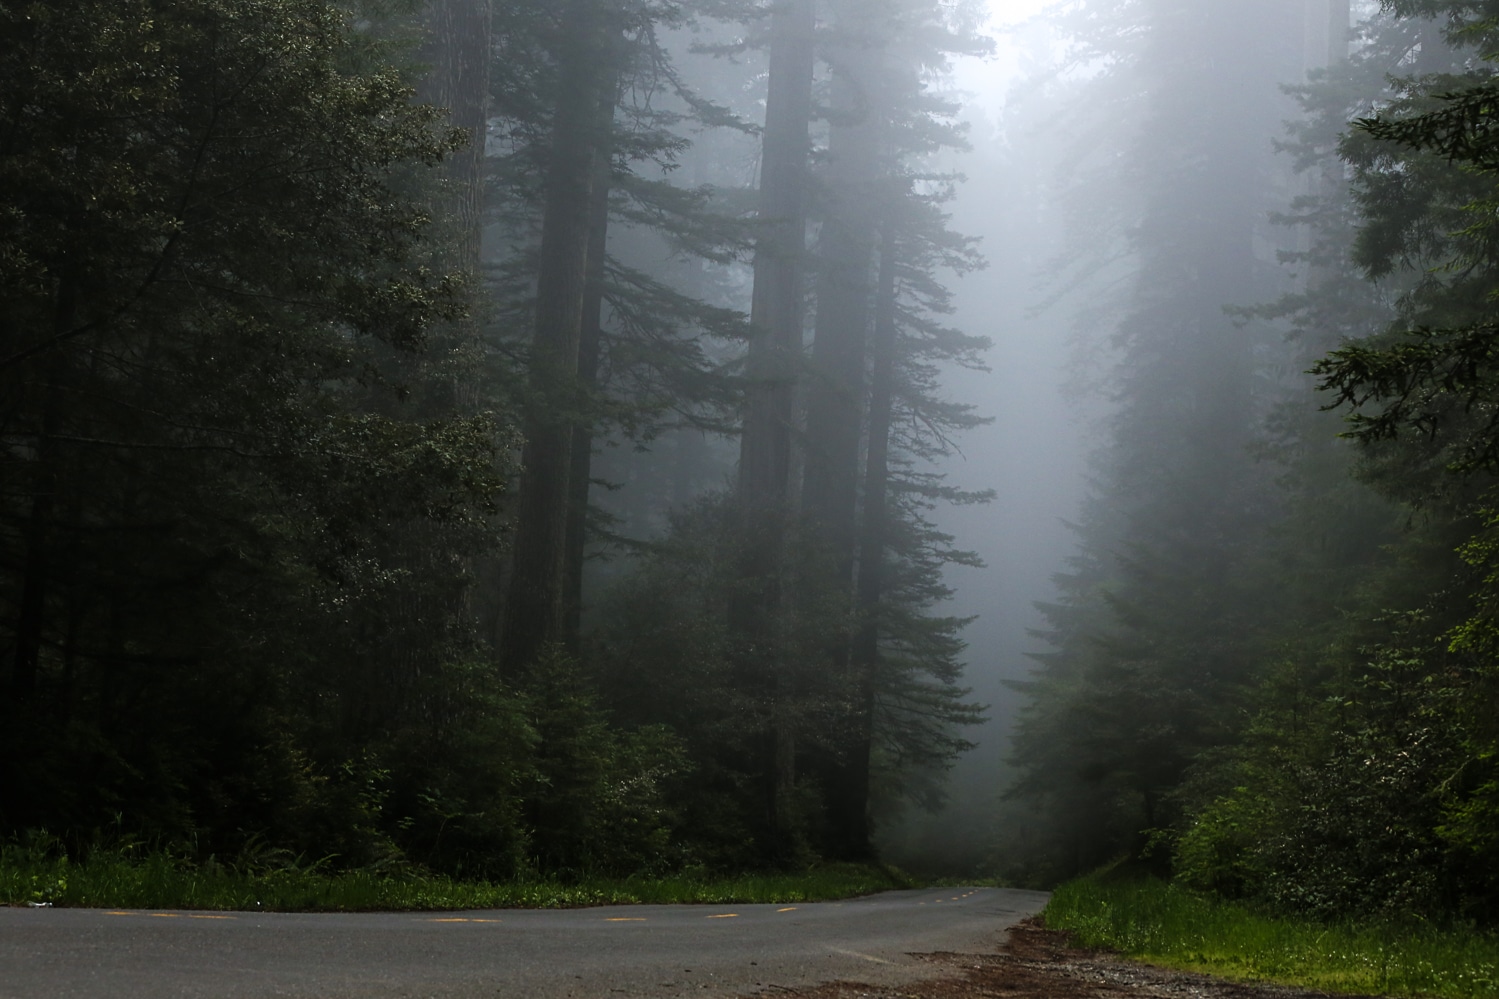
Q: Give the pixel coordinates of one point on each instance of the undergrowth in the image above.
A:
(123, 878)
(1168, 925)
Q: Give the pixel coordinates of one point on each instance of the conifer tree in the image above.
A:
(1151, 636)
(587, 54)
(216, 283)
(639, 353)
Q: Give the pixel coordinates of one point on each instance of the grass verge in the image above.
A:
(117, 881)
(1161, 924)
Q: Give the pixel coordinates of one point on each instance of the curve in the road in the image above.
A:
(657, 951)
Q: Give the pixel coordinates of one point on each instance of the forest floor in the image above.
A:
(1037, 963)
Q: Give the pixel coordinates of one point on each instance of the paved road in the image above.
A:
(657, 951)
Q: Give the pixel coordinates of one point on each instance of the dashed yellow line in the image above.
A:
(167, 915)
(624, 919)
(725, 915)
(789, 908)
(461, 919)
(204, 916)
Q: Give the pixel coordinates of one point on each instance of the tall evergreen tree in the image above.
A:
(1153, 634)
(216, 289)
(638, 353)
(587, 54)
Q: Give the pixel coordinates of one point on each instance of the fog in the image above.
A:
(1033, 454)
(624, 436)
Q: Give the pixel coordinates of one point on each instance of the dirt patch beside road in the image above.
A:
(1037, 963)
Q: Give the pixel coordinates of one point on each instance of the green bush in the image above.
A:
(1221, 851)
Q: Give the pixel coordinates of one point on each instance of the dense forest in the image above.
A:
(496, 436)
(516, 438)
(1269, 668)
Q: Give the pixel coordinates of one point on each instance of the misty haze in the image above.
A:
(467, 455)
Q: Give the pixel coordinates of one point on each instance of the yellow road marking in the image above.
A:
(789, 908)
(166, 915)
(725, 915)
(452, 920)
(624, 919)
(484, 920)
(201, 916)
(119, 913)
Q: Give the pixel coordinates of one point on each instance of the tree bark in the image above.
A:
(835, 395)
(776, 313)
(852, 801)
(535, 607)
(776, 310)
(589, 348)
(835, 411)
(459, 51)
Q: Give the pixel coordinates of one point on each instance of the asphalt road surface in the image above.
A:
(657, 951)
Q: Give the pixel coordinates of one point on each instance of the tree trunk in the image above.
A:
(589, 347)
(835, 396)
(1339, 24)
(535, 607)
(776, 306)
(835, 413)
(851, 805)
(458, 49)
(776, 313)
(1327, 27)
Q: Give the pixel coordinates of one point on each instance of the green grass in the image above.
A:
(1162, 924)
(117, 881)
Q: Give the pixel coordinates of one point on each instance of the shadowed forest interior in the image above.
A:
(518, 439)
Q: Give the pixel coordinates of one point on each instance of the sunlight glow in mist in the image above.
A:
(989, 79)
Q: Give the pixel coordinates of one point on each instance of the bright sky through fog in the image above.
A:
(989, 79)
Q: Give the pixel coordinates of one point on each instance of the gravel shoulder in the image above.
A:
(1036, 963)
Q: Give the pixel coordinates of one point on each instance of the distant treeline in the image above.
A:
(1272, 669)
(362, 368)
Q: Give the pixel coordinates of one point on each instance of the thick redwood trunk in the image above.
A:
(835, 412)
(835, 395)
(776, 307)
(1339, 24)
(590, 345)
(769, 412)
(459, 52)
(852, 800)
(535, 608)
